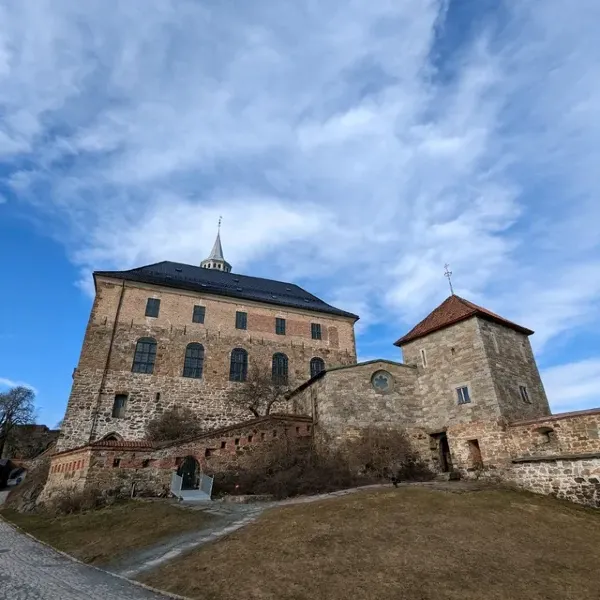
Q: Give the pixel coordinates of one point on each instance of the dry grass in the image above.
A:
(101, 536)
(405, 543)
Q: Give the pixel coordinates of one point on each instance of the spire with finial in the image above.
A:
(448, 274)
(216, 260)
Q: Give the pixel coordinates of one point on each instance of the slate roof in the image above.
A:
(217, 251)
(451, 311)
(212, 281)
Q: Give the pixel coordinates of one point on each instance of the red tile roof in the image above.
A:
(451, 311)
(139, 444)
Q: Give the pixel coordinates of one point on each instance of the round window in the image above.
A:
(382, 381)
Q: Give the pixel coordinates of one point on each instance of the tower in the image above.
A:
(215, 259)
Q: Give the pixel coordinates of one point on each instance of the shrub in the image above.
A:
(173, 424)
(68, 501)
(23, 498)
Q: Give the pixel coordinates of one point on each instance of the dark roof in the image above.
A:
(450, 311)
(210, 281)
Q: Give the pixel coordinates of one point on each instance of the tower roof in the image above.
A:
(217, 250)
(453, 310)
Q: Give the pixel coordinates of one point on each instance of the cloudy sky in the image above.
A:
(352, 147)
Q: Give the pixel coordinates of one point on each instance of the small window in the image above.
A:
(118, 411)
(145, 355)
(198, 314)
(250, 438)
(316, 366)
(208, 452)
(315, 331)
(297, 429)
(524, 394)
(237, 441)
(194, 361)
(223, 445)
(463, 395)
(157, 396)
(241, 320)
(145, 463)
(152, 307)
(274, 432)
(423, 358)
(116, 463)
(238, 369)
(308, 428)
(262, 435)
(280, 326)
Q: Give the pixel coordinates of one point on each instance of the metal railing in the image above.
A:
(176, 483)
(206, 484)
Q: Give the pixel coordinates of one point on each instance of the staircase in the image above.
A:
(200, 495)
(193, 496)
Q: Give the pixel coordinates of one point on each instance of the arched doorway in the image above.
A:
(189, 471)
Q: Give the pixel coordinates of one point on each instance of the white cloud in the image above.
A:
(10, 383)
(342, 150)
(573, 386)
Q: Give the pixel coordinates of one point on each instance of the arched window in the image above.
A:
(194, 360)
(316, 366)
(145, 355)
(238, 369)
(280, 368)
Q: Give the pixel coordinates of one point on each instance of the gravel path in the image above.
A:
(30, 570)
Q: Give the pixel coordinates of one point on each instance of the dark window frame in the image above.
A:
(238, 365)
(199, 314)
(315, 331)
(144, 357)
(119, 406)
(464, 394)
(241, 319)
(315, 363)
(152, 307)
(193, 363)
(280, 325)
(280, 368)
(524, 394)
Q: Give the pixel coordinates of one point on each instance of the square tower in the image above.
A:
(473, 365)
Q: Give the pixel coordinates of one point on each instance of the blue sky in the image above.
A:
(352, 147)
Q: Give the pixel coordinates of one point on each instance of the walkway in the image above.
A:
(31, 571)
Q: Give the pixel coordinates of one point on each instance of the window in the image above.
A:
(223, 445)
(250, 438)
(280, 326)
(145, 463)
(152, 307)
(524, 394)
(237, 441)
(208, 452)
(194, 361)
(198, 314)
(279, 370)
(157, 396)
(238, 368)
(463, 395)
(315, 331)
(116, 463)
(316, 366)
(241, 320)
(118, 411)
(423, 358)
(145, 355)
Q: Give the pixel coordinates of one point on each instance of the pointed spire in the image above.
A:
(216, 260)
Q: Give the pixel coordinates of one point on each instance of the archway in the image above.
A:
(189, 471)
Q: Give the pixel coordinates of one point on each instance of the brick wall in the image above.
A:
(173, 330)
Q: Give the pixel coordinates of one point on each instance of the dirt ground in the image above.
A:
(406, 543)
(101, 536)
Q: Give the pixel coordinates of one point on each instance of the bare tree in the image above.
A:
(173, 424)
(16, 408)
(260, 393)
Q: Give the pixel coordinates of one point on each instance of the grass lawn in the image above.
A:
(99, 536)
(405, 543)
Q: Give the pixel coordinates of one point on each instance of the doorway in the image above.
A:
(442, 451)
(189, 471)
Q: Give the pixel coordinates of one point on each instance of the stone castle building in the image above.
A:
(468, 392)
(171, 334)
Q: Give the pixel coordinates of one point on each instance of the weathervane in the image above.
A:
(220, 219)
(448, 274)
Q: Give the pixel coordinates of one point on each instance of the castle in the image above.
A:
(468, 391)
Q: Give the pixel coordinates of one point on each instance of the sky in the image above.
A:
(352, 147)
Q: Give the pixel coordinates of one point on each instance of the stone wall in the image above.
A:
(112, 345)
(344, 401)
(513, 364)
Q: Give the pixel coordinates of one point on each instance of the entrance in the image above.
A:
(442, 451)
(189, 471)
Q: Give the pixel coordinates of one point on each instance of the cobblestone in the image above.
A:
(32, 571)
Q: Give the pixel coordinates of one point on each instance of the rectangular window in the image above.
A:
(152, 307)
(423, 358)
(116, 463)
(524, 394)
(280, 326)
(118, 411)
(241, 320)
(315, 331)
(198, 316)
(463, 395)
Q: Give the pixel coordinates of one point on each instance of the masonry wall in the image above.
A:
(456, 357)
(150, 395)
(512, 364)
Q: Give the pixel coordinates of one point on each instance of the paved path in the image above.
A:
(32, 571)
